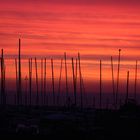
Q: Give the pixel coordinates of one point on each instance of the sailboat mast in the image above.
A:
(80, 74)
(74, 84)
(37, 94)
(26, 91)
(53, 81)
(30, 81)
(42, 81)
(113, 83)
(59, 86)
(100, 103)
(127, 87)
(16, 96)
(2, 79)
(135, 88)
(66, 75)
(19, 76)
(45, 81)
(118, 76)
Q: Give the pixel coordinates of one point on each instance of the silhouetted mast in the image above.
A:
(113, 83)
(80, 75)
(45, 81)
(19, 76)
(66, 74)
(26, 90)
(53, 82)
(30, 81)
(76, 72)
(42, 81)
(4, 82)
(59, 86)
(118, 74)
(127, 87)
(16, 67)
(37, 95)
(3, 98)
(135, 88)
(74, 84)
(100, 84)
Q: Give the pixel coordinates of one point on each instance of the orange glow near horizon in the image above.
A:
(48, 30)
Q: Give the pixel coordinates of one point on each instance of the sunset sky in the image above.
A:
(95, 28)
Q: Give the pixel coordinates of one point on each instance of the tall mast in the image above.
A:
(135, 88)
(118, 74)
(37, 94)
(113, 83)
(127, 87)
(45, 81)
(53, 82)
(74, 84)
(2, 79)
(59, 86)
(76, 71)
(100, 84)
(80, 74)
(19, 76)
(30, 81)
(76, 75)
(66, 74)
(16, 96)
(4, 82)
(42, 81)
(26, 91)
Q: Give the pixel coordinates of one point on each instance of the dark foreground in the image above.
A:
(63, 123)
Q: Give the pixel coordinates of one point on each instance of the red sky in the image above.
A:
(95, 28)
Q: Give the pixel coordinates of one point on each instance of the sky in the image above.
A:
(95, 28)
